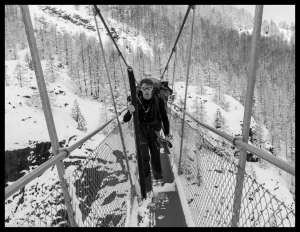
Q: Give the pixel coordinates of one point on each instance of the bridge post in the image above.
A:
(170, 109)
(46, 107)
(251, 75)
(186, 86)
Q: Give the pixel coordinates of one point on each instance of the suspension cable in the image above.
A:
(120, 53)
(97, 10)
(174, 47)
(186, 87)
(114, 103)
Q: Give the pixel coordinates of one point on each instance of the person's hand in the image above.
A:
(168, 137)
(131, 108)
(158, 134)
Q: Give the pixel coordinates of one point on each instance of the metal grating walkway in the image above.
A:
(167, 211)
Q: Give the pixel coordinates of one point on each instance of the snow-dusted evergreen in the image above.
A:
(78, 117)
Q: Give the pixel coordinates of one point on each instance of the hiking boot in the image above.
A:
(150, 194)
(158, 182)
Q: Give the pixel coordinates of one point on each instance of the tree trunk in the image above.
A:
(90, 72)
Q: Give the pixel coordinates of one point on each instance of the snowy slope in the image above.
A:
(233, 118)
(131, 37)
(18, 132)
(65, 125)
(24, 123)
(287, 34)
(267, 175)
(264, 174)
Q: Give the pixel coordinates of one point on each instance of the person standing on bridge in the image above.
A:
(150, 124)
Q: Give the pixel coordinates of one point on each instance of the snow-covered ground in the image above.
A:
(233, 118)
(24, 123)
(287, 34)
(34, 128)
(275, 181)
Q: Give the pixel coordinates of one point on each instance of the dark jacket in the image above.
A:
(151, 104)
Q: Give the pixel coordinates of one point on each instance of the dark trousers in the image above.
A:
(149, 142)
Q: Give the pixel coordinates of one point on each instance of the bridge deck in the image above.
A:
(167, 210)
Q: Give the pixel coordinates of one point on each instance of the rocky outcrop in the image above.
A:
(73, 18)
(18, 161)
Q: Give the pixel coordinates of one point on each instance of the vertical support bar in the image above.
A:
(186, 87)
(46, 106)
(170, 115)
(247, 114)
(114, 103)
(174, 71)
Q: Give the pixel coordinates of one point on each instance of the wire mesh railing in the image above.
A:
(99, 187)
(49, 212)
(40, 203)
(101, 192)
(208, 176)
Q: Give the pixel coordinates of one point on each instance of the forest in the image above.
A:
(220, 56)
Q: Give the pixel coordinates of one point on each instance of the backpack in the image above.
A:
(160, 89)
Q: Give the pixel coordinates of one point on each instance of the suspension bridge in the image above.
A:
(211, 189)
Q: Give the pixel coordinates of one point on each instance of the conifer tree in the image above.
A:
(41, 35)
(200, 81)
(51, 72)
(78, 117)
(219, 120)
(82, 39)
(219, 94)
(14, 52)
(77, 79)
(199, 108)
(7, 77)
(36, 101)
(181, 102)
(75, 111)
(28, 60)
(106, 130)
(81, 123)
(211, 73)
(200, 112)
(20, 75)
(259, 135)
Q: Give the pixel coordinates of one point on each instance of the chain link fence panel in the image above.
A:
(208, 175)
(99, 187)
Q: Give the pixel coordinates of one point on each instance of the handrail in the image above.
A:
(220, 133)
(63, 153)
(84, 139)
(254, 150)
(20, 183)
